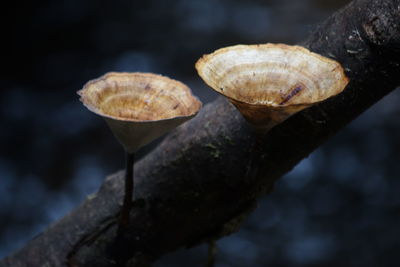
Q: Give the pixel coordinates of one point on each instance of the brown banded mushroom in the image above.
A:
(138, 107)
(270, 82)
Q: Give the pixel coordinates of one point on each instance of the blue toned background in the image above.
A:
(339, 207)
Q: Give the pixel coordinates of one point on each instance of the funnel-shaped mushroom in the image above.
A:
(270, 82)
(138, 107)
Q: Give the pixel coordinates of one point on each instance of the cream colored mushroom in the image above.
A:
(138, 107)
(270, 82)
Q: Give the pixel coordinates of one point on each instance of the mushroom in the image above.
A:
(138, 107)
(270, 82)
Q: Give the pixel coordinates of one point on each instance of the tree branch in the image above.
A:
(192, 187)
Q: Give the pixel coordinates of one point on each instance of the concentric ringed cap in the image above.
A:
(270, 82)
(139, 107)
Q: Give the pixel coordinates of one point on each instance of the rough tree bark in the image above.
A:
(191, 188)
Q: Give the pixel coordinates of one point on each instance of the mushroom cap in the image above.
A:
(270, 82)
(139, 107)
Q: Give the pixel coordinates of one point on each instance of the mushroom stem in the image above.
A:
(128, 195)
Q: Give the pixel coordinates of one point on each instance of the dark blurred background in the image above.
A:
(339, 207)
